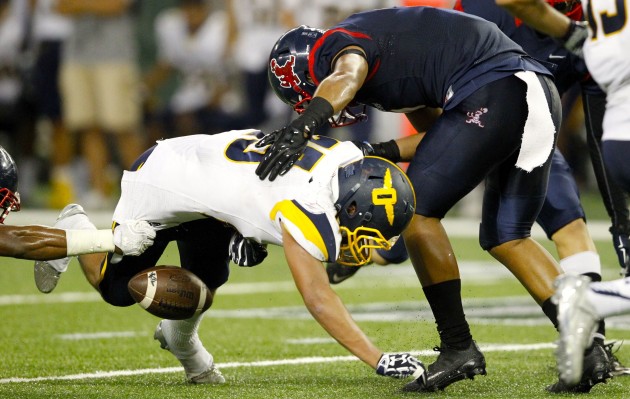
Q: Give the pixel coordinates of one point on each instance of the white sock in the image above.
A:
(610, 298)
(582, 263)
(183, 342)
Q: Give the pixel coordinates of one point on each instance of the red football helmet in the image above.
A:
(570, 8)
(9, 198)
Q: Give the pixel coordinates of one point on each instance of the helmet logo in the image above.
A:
(286, 74)
(386, 196)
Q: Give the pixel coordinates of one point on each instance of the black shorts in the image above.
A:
(480, 139)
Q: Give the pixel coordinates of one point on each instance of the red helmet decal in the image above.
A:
(285, 74)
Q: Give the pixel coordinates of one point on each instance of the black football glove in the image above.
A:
(388, 149)
(400, 365)
(288, 143)
(575, 37)
(622, 247)
(246, 252)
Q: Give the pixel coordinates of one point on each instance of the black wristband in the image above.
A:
(567, 35)
(319, 110)
(388, 150)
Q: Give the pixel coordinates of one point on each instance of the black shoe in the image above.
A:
(616, 368)
(597, 368)
(452, 365)
(338, 272)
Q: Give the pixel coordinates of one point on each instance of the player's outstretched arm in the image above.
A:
(32, 242)
(47, 243)
(326, 307)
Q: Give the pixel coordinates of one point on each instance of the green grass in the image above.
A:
(258, 316)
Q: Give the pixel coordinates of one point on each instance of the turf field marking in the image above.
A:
(101, 335)
(263, 363)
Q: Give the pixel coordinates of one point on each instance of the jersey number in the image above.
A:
(611, 21)
(240, 151)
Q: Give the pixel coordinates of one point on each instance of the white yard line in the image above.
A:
(263, 363)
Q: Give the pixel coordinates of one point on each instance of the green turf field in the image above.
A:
(70, 344)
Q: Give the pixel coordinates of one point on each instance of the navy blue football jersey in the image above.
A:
(566, 67)
(421, 56)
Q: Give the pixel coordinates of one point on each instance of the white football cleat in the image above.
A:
(211, 375)
(577, 322)
(48, 272)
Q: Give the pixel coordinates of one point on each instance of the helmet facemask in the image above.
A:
(8, 202)
(356, 246)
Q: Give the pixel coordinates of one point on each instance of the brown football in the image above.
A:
(170, 292)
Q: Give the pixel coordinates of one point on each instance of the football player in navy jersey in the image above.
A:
(43, 243)
(490, 112)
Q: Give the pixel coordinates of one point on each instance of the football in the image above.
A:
(170, 292)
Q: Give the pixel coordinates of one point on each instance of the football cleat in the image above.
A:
(210, 376)
(48, 272)
(576, 322)
(452, 365)
(597, 369)
(616, 368)
(338, 272)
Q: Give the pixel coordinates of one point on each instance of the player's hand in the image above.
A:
(133, 237)
(287, 145)
(575, 37)
(401, 365)
(246, 252)
(388, 149)
(622, 247)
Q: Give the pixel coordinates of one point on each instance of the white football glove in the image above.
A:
(400, 365)
(133, 237)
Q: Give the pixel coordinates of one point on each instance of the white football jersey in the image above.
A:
(194, 177)
(607, 55)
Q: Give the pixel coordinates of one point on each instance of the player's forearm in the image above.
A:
(539, 15)
(340, 87)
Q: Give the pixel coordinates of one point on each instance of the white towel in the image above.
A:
(537, 141)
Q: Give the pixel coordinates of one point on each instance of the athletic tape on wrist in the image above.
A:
(80, 242)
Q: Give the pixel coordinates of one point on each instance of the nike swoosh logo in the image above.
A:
(556, 57)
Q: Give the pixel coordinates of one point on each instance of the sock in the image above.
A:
(551, 311)
(445, 300)
(586, 263)
(183, 342)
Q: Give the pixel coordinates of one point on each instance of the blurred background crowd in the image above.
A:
(87, 85)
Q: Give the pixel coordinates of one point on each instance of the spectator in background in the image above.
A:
(99, 87)
(49, 31)
(17, 127)
(259, 24)
(193, 40)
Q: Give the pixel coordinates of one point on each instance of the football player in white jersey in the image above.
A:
(581, 304)
(333, 205)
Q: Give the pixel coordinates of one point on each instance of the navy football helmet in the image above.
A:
(9, 197)
(289, 75)
(376, 202)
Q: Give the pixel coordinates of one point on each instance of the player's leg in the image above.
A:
(203, 248)
(453, 158)
(47, 273)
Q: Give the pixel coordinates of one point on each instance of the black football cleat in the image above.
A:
(338, 272)
(597, 369)
(616, 368)
(452, 365)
